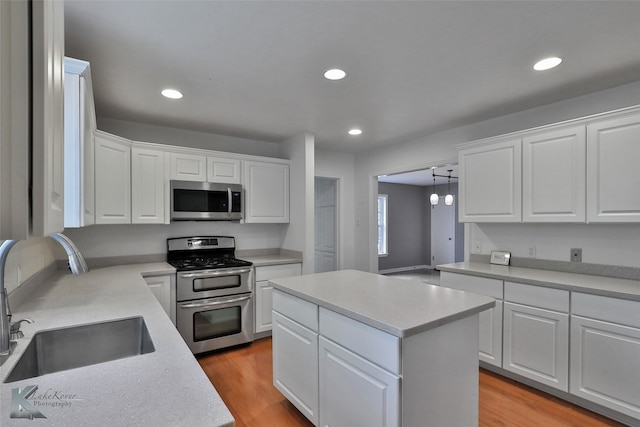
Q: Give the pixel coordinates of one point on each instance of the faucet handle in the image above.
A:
(14, 328)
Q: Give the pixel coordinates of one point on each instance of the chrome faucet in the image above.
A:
(77, 265)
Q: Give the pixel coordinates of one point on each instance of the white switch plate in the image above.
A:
(532, 251)
(477, 247)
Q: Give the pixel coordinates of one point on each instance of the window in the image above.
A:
(382, 224)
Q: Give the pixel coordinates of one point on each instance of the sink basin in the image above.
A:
(83, 345)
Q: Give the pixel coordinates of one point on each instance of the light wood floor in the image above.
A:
(243, 378)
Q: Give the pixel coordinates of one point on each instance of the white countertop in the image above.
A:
(163, 388)
(598, 285)
(399, 307)
(274, 259)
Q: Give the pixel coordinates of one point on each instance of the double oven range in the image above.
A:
(214, 300)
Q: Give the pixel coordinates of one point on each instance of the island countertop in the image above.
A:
(164, 388)
(397, 306)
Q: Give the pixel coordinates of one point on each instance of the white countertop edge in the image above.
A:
(596, 285)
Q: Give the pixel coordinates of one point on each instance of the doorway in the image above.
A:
(326, 224)
(442, 234)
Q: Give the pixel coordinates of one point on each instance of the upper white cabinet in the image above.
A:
(113, 179)
(266, 192)
(490, 182)
(79, 127)
(613, 181)
(147, 186)
(188, 167)
(47, 125)
(553, 176)
(224, 170)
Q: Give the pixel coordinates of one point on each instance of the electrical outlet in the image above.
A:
(477, 246)
(576, 254)
(532, 251)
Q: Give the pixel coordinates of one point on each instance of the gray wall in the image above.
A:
(409, 226)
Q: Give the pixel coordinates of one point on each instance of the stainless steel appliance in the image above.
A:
(214, 307)
(206, 201)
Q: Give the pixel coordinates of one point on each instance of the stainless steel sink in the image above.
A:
(73, 347)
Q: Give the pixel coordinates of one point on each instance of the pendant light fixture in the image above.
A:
(448, 199)
(434, 198)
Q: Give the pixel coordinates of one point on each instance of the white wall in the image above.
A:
(188, 138)
(28, 257)
(332, 164)
(438, 149)
(299, 235)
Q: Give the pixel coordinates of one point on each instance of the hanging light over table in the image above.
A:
(448, 199)
(434, 198)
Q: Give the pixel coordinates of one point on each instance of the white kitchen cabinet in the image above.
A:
(554, 175)
(264, 290)
(224, 170)
(79, 128)
(605, 352)
(266, 192)
(188, 166)
(47, 117)
(113, 179)
(163, 287)
(295, 353)
(354, 391)
(490, 182)
(613, 156)
(490, 321)
(148, 186)
(536, 335)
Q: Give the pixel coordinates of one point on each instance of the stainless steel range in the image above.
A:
(214, 307)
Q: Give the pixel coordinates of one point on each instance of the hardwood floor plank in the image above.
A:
(243, 377)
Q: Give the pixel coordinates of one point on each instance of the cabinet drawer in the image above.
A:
(294, 308)
(537, 296)
(624, 312)
(381, 348)
(281, 270)
(478, 285)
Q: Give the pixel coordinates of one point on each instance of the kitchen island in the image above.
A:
(166, 387)
(358, 349)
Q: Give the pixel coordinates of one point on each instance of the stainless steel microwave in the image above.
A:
(206, 201)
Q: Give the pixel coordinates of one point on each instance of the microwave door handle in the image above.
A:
(214, 303)
(229, 201)
(214, 273)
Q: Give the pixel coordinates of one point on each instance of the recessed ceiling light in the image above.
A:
(547, 63)
(355, 132)
(335, 74)
(171, 93)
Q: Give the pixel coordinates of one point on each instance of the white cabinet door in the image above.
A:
(79, 127)
(147, 186)
(224, 170)
(47, 43)
(490, 321)
(354, 391)
(161, 288)
(536, 344)
(613, 156)
(113, 179)
(266, 192)
(490, 183)
(295, 364)
(554, 176)
(188, 167)
(605, 364)
(264, 302)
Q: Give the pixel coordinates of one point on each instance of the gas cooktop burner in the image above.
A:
(203, 253)
(208, 263)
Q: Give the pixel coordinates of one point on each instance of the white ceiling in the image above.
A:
(423, 177)
(253, 69)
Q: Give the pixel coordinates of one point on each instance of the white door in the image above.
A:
(326, 232)
(442, 234)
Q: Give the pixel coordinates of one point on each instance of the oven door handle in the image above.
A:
(214, 303)
(214, 273)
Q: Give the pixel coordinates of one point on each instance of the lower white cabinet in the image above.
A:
(536, 336)
(161, 286)
(354, 391)
(263, 293)
(490, 321)
(295, 353)
(605, 352)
